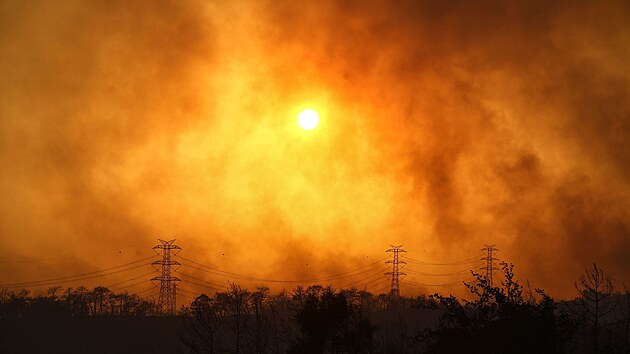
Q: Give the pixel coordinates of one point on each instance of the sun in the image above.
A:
(308, 119)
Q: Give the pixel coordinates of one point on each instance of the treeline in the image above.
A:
(308, 320)
(506, 318)
(500, 318)
(80, 301)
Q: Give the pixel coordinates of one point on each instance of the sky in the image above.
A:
(444, 126)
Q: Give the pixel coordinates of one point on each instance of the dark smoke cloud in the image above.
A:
(84, 85)
(464, 123)
(518, 110)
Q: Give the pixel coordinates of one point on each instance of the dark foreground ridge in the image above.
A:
(504, 318)
(92, 334)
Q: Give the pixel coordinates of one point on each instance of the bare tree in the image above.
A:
(235, 303)
(52, 292)
(202, 325)
(99, 298)
(595, 288)
(623, 316)
(279, 305)
(258, 297)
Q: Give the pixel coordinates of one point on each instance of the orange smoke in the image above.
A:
(442, 127)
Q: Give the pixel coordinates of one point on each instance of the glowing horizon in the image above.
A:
(127, 121)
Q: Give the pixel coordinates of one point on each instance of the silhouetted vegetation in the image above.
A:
(595, 300)
(99, 301)
(501, 318)
(81, 320)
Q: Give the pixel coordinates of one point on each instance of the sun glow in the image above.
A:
(308, 119)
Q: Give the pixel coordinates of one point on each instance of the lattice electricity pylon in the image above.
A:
(168, 284)
(395, 288)
(489, 258)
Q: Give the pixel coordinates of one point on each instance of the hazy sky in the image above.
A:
(444, 125)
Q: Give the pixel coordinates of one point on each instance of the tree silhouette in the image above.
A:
(498, 320)
(258, 298)
(595, 288)
(280, 311)
(203, 326)
(504, 318)
(234, 303)
(100, 301)
(625, 313)
(328, 322)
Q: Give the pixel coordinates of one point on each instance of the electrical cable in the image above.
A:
(354, 283)
(410, 282)
(74, 278)
(77, 256)
(412, 271)
(246, 277)
(218, 286)
(129, 286)
(128, 280)
(463, 261)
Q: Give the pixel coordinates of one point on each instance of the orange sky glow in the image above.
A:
(442, 126)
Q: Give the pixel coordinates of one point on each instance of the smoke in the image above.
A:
(445, 125)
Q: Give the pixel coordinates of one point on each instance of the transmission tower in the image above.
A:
(489, 258)
(395, 288)
(168, 283)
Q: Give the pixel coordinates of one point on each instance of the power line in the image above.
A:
(247, 277)
(381, 289)
(375, 282)
(206, 283)
(369, 274)
(131, 279)
(80, 275)
(77, 279)
(463, 272)
(460, 282)
(378, 274)
(366, 281)
(75, 256)
(460, 262)
(471, 260)
(146, 290)
(68, 279)
(127, 287)
(188, 291)
(379, 269)
(212, 288)
(184, 295)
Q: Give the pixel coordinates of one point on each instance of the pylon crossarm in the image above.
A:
(167, 299)
(395, 273)
(167, 262)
